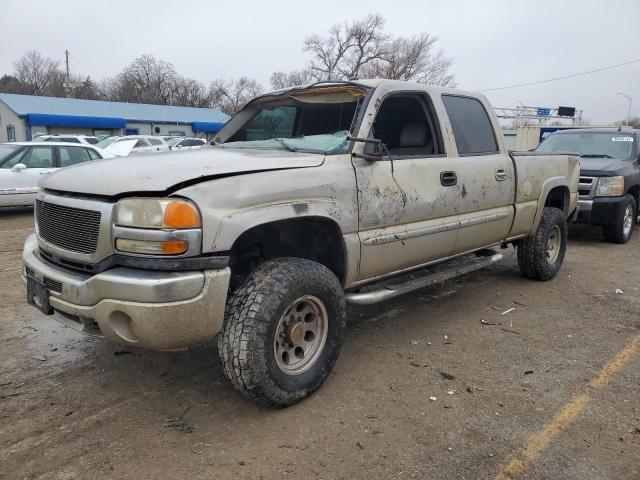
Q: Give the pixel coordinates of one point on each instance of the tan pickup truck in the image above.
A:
(309, 198)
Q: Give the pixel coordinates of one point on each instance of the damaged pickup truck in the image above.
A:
(308, 199)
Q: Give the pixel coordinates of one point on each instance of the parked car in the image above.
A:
(186, 143)
(314, 196)
(23, 164)
(84, 139)
(609, 176)
(133, 144)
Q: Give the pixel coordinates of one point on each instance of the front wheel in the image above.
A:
(540, 256)
(621, 232)
(283, 331)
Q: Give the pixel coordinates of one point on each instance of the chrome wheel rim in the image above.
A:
(300, 335)
(627, 224)
(553, 244)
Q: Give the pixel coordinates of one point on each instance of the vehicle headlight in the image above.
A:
(610, 186)
(156, 226)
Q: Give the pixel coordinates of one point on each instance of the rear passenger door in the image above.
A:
(68, 156)
(485, 175)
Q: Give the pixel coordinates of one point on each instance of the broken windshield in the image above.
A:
(317, 121)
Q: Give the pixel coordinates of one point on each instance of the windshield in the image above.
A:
(105, 142)
(7, 151)
(315, 120)
(618, 145)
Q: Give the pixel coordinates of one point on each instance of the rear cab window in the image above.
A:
(471, 126)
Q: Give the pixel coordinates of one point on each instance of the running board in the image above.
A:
(409, 282)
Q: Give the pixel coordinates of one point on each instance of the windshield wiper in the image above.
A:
(596, 155)
(284, 144)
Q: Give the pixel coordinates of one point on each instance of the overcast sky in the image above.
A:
(494, 43)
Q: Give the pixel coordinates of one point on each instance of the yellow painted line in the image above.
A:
(539, 441)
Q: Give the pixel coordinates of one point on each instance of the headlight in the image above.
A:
(157, 213)
(157, 226)
(610, 186)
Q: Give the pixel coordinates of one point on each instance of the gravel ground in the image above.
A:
(73, 407)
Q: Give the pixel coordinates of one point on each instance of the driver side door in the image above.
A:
(20, 185)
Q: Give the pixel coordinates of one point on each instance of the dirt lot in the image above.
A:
(72, 407)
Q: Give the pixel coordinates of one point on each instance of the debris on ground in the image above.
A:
(178, 423)
(447, 376)
(619, 292)
(122, 352)
(42, 358)
(414, 342)
(4, 384)
(360, 445)
(433, 399)
(451, 392)
(484, 322)
(508, 310)
(518, 303)
(528, 372)
(510, 331)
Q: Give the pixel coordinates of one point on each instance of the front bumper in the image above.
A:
(159, 310)
(601, 210)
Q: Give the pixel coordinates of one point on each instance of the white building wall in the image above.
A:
(8, 117)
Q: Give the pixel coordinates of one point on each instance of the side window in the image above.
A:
(140, 143)
(72, 155)
(93, 155)
(91, 140)
(406, 124)
(15, 159)
(155, 141)
(471, 125)
(68, 139)
(38, 157)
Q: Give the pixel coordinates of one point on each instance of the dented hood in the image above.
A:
(161, 172)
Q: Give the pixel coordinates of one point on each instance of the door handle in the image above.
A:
(501, 175)
(448, 179)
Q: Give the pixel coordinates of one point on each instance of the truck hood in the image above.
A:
(602, 165)
(166, 171)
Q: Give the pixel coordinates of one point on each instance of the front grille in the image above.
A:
(53, 285)
(72, 229)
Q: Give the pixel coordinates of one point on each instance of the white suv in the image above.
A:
(84, 139)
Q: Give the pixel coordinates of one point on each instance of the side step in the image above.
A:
(408, 282)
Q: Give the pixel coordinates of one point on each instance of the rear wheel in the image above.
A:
(540, 256)
(621, 232)
(283, 331)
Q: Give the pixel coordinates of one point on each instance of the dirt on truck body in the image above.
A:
(311, 197)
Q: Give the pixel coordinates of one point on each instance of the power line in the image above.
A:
(563, 77)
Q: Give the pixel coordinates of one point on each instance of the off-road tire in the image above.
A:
(533, 258)
(252, 315)
(615, 233)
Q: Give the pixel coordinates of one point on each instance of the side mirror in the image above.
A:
(375, 150)
(18, 167)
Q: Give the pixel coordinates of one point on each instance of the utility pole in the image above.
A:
(67, 83)
(629, 100)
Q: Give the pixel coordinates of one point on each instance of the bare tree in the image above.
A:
(231, 95)
(346, 49)
(146, 80)
(10, 84)
(36, 73)
(293, 78)
(189, 93)
(412, 59)
(362, 48)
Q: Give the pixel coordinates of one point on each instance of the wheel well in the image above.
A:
(635, 191)
(558, 197)
(313, 238)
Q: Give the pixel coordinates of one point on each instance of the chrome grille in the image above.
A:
(73, 229)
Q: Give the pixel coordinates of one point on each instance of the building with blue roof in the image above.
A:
(22, 117)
